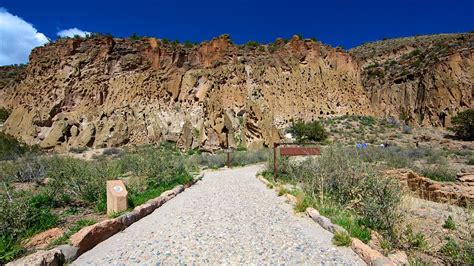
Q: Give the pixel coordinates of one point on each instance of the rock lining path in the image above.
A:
(229, 217)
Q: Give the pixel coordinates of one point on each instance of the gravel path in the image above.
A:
(229, 217)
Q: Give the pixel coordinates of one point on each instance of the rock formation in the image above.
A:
(102, 91)
(424, 80)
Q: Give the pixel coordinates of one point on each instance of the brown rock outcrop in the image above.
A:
(102, 91)
(423, 80)
(460, 193)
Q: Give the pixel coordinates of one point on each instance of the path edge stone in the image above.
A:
(364, 251)
(88, 237)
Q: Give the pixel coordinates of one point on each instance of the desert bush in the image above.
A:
(111, 151)
(78, 150)
(341, 239)
(414, 240)
(346, 218)
(459, 254)
(449, 223)
(342, 178)
(30, 169)
(252, 44)
(10, 148)
(470, 161)
(379, 205)
(407, 129)
(23, 215)
(367, 120)
(390, 122)
(238, 157)
(463, 125)
(134, 37)
(312, 131)
(75, 182)
(439, 173)
(4, 114)
(210, 160)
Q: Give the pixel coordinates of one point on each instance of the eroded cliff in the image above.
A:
(102, 91)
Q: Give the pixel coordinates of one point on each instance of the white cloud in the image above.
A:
(17, 38)
(73, 32)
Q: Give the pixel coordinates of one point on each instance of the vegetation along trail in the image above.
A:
(228, 217)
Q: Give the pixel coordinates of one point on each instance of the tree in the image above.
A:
(134, 37)
(312, 131)
(463, 124)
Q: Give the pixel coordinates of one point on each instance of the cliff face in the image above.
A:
(101, 91)
(107, 92)
(424, 80)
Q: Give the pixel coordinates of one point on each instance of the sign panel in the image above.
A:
(295, 151)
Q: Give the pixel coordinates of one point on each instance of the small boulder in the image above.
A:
(434, 187)
(313, 213)
(325, 223)
(369, 255)
(168, 194)
(90, 236)
(144, 209)
(291, 199)
(69, 252)
(178, 189)
(467, 179)
(399, 258)
(52, 257)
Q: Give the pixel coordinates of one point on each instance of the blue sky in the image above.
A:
(339, 23)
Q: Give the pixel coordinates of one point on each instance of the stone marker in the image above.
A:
(116, 196)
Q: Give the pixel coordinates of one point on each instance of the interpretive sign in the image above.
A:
(116, 196)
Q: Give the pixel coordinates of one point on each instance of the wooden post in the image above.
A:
(275, 161)
(228, 150)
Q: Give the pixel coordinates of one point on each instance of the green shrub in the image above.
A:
(470, 161)
(345, 218)
(237, 158)
(341, 239)
(439, 173)
(379, 204)
(188, 44)
(10, 148)
(463, 125)
(367, 120)
(134, 37)
(76, 180)
(30, 169)
(23, 215)
(449, 223)
(340, 177)
(78, 150)
(312, 131)
(415, 240)
(4, 114)
(252, 44)
(459, 254)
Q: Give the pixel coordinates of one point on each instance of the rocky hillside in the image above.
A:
(424, 80)
(102, 91)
